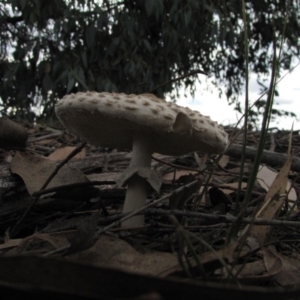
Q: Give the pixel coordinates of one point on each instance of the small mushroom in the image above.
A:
(145, 124)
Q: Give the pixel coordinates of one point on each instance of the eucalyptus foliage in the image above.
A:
(51, 48)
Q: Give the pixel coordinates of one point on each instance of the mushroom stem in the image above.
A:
(137, 188)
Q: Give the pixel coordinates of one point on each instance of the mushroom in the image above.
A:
(144, 123)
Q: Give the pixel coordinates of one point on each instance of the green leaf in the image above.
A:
(114, 44)
(91, 77)
(66, 26)
(149, 5)
(174, 8)
(23, 4)
(84, 59)
(100, 84)
(147, 45)
(56, 67)
(107, 86)
(230, 39)
(159, 8)
(132, 68)
(36, 51)
(79, 75)
(102, 20)
(71, 83)
(187, 17)
(47, 83)
(90, 36)
(57, 26)
(117, 60)
(62, 76)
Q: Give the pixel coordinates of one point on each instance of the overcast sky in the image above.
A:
(209, 103)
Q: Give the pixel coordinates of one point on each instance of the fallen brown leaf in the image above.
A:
(62, 153)
(224, 160)
(174, 176)
(287, 272)
(35, 170)
(266, 177)
(115, 253)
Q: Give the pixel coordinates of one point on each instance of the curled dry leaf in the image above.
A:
(273, 267)
(287, 272)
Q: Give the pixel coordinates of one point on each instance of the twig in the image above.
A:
(221, 218)
(69, 186)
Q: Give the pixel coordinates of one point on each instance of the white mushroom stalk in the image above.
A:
(138, 186)
(144, 123)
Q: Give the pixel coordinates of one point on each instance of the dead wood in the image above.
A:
(271, 158)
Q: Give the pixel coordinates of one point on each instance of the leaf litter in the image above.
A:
(71, 221)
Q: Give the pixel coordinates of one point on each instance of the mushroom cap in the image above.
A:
(114, 120)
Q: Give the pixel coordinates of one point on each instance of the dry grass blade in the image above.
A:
(273, 202)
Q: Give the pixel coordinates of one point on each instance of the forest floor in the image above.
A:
(61, 236)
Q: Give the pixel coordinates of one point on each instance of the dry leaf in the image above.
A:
(84, 236)
(249, 272)
(265, 178)
(234, 185)
(273, 202)
(224, 161)
(35, 170)
(118, 254)
(42, 241)
(251, 269)
(46, 142)
(233, 175)
(287, 273)
(62, 153)
(37, 242)
(273, 267)
(259, 271)
(211, 260)
(174, 176)
(11, 243)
